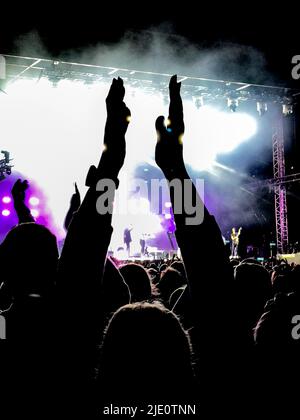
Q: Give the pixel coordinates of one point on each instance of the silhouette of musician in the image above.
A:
(127, 238)
(143, 245)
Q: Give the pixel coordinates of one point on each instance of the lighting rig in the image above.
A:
(201, 90)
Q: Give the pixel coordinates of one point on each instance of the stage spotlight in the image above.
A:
(287, 109)
(35, 213)
(168, 204)
(232, 104)
(199, 102)
(34, 201)
(6, 199)
(5, 212)
(261, 107)
(215, 132)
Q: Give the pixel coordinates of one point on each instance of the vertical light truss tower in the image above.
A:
(279, 186)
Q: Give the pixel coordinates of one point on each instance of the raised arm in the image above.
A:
(74, 206)
(197, 232)
(80, 292)
(205, 306)
(84, 253)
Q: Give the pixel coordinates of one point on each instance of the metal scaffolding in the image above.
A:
(279, 186)
(209, 90)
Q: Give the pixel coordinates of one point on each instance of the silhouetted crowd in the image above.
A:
(84, 331)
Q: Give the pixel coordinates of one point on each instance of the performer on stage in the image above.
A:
(143, 244)
(127, 239)
(235, 241)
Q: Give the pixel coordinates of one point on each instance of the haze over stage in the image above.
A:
(52, 107)
(45, 118)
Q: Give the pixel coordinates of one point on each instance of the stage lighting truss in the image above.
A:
(200, 90)
(5, 167)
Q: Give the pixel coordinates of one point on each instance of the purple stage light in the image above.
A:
(5, 212)
(6, 199)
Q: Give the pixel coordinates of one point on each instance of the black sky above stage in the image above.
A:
(273, 29)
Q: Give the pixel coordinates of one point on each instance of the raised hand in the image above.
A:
(115, 106)
(118, 118)
(169, 150)
(75, 203)
(175, 108)
(75, 199)
(18, 193)
(114, 150)
(18, 190)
